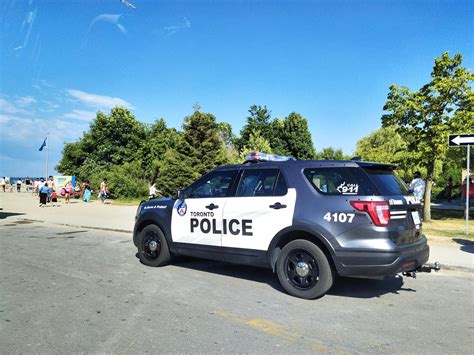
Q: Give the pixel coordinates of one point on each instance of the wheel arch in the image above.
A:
(146, 222)
(298, 232)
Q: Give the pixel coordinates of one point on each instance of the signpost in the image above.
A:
(457, 140)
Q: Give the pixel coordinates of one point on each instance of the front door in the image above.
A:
(198, 218)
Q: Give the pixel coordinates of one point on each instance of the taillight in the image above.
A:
(378, 211)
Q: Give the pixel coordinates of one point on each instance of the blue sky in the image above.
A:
(331, 61)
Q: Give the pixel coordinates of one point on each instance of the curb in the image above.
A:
(77, 226)
(456, 268)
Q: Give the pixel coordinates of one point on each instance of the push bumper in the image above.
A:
(367, 263)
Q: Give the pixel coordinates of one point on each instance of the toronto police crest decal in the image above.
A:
(182, 208)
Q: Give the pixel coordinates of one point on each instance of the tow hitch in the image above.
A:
(423, 268)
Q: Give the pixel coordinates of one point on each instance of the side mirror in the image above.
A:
(180, 195)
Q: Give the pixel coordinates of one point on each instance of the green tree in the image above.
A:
(259, 120)
(427, 116)
(127, 180)
(111, 140)
(256, 143)
(176, 170)
(116, 138)
(297, 137)
(277, 139)
(385, 145)
(229, 141)
(330, 153)
(201, 133)
(159, 138)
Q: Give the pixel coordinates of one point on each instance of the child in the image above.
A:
(54, 199)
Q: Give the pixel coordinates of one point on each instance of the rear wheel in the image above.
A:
(304, 270)
(152, 246)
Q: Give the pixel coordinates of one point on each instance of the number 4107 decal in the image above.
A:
(339, 217)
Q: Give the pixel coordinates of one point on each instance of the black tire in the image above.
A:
(304, 270)
(152, 246)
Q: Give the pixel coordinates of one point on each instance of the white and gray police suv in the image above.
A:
(306, 220)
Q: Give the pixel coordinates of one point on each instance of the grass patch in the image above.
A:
(124, 201)
(449, 214)
(448, 223)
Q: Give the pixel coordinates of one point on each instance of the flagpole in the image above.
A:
(47, 155)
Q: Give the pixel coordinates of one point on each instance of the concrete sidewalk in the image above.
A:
(452, 254)
(93, 214)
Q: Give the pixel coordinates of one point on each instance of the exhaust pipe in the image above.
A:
(428, 267)
(436, 266)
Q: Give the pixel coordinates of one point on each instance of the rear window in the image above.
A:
(387, 182)
(356, 181)
(340, 181)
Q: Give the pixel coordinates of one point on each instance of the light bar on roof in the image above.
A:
(266, 157)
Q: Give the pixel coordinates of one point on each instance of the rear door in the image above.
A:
(263, 205)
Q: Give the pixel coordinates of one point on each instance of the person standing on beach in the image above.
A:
(104, 190)
(27, 184)
(43, 194)
(18, 185)
(39, 185)
(3, 184)
(68, 189)
(51, 183)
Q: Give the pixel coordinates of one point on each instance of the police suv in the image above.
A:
(308, 221)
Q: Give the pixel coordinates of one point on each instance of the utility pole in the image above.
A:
(457, 140)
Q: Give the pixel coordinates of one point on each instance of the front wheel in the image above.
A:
(304, 270)
(152, 246)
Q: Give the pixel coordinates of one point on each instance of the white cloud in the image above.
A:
(48, 106)
(8, 107)
(99, 101)
(7, 118)
(25, 101)
(29, 132)
(81, 115)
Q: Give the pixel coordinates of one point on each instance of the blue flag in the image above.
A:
(43, 145)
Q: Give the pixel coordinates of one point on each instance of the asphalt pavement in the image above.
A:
(78, 290)
(455, 254)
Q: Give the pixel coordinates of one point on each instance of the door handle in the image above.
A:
(211, 206)
(277, 206)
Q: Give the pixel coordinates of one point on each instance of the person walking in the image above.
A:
(3, 184)
(417, 185)
(43, 194)
(152, 192)
(104, 190)
(86, 192)
(18, 185)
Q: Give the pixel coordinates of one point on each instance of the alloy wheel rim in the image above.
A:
(301, 269)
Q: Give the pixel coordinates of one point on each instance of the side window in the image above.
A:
(340, 181)
(280, 189)
(213, 185)
(260, 182)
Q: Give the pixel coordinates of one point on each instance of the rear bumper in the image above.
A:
(367, 263)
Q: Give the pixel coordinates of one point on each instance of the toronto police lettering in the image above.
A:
(211, 225)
